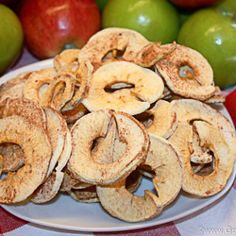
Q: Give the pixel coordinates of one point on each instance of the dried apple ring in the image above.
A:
(17, 186)
(211, 138)
(95, 125)
(49, 89)
(37, 83)
(13, 155)
(216, 145)
(142, 87)
(122, 204)
(126, 41)
(164, 162)
(187, 73)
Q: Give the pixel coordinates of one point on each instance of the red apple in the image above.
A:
(193, 3)
(53, 25)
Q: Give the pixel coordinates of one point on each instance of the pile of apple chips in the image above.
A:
(104, 117)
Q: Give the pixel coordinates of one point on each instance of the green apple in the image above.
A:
(11, 37)
(227, 8)
(157, 20)
(213, 33)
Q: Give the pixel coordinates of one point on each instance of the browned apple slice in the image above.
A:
(187, 73)
(95, 125)
(19, 185)
(138, 88)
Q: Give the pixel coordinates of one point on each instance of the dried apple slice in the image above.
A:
(49, 189)
(72, 181)
(66, 152)
(217, 98)
(61, 143)
(19, 185)
(164, 162)
(48, 88)
(37, 83)
(67, 61)
(73, 113)
(13, 88)
(95, 125)
(122, 204)
(87, 194)
(220, 132)
(25, 108)
(189, 110)
(1, 164)
(150, 54)
(143, 87)
(212, 139)
(124, 41)
(59, 91)
(83, 77)
(57, 130)
(187, 73)
(13, 156)
(161, 120)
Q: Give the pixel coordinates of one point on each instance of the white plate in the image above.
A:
(65, 213)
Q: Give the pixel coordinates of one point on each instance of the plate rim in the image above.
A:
(128, 226)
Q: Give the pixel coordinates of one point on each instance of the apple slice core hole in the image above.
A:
(186, 72)
(145, 118)
(111, 88)
(203, 169)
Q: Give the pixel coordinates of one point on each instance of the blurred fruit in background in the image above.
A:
(51, 26)
(6, 2)
(191, 4)
(227, 8)
(157, 20)
(184, 15)
(11, 37)
(213, 33)
(101, 4)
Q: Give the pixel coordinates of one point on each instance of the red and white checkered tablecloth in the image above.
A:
(217, 219)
